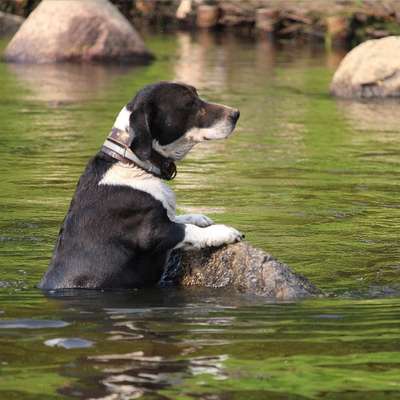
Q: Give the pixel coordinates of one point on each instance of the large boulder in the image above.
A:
(76, 30)
(372, 69)
(239, 266)
(9, 24)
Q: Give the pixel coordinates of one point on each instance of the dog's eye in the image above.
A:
(188, 104)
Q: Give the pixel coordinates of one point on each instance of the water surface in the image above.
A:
(310, 179)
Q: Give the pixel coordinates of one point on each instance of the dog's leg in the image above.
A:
(211, 236)
(194, 219)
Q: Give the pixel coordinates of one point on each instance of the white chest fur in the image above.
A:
(134, 177)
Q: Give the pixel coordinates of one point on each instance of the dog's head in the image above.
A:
(171, 118)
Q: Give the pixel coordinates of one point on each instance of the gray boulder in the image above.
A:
(9, 24)
(76, 30)
(372, 69)
(239, 266)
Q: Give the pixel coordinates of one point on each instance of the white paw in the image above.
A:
(211, 236)
(218, 235)
(194, 219)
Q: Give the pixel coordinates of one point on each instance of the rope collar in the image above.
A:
(117, 146)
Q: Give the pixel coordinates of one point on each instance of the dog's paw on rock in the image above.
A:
(222, 234)
(195, 219)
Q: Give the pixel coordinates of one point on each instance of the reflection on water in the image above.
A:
(378, 116)
(134, 374)
(204, 344)
(308, 178)
(69, 343)
(60, 84)
(31, 324)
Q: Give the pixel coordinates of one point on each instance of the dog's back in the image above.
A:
(110, 236)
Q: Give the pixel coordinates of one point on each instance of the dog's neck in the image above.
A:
(118, 146)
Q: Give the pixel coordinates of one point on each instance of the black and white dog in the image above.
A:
(121, 225)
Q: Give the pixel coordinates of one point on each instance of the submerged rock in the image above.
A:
(74, 30)
(240, 266)
(9, 24)
(371, 69)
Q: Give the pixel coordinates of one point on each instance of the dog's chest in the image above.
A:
(121, 175)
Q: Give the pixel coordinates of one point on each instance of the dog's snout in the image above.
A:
(234, 115)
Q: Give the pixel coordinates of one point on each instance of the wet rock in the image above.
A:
(337, 29)
(266, 19)
(9, 24)
(236, 13)
(371, 69)
(184, 9)
(207, 16)
(73, 30)
(240, 266)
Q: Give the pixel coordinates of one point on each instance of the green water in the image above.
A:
(310, 179)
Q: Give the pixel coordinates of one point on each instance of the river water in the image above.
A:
(310, 179)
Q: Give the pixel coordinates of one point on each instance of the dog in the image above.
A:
(121, 225)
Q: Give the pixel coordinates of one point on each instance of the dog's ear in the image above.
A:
(142, 139)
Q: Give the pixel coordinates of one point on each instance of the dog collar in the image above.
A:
(117, 146)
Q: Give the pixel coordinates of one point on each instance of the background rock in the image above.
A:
(266, 19)
(367, 19)
(207, 16)
(9, 24)
(372, 69)
(73, 30)
(240, 266)
(337, 28)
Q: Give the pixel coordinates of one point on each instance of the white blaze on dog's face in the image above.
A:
(171, 118)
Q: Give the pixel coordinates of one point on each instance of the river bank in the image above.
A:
(338, 22)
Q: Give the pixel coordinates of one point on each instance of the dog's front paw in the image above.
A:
(201, 220)
(222, 234)
(195, 219)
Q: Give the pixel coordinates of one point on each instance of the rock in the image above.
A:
(372, 69)
(238, 266)
(184, 9)
(236, 13)
(207, 16)
(337, 28)
(145, 7)
(74, 30)
(266, 19)
(9, 24)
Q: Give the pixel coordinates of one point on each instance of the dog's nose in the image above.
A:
(235, 114)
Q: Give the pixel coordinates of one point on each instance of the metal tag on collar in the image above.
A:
(124, 138)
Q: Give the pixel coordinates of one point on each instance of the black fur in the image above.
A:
(111, 237)
(116, 236)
